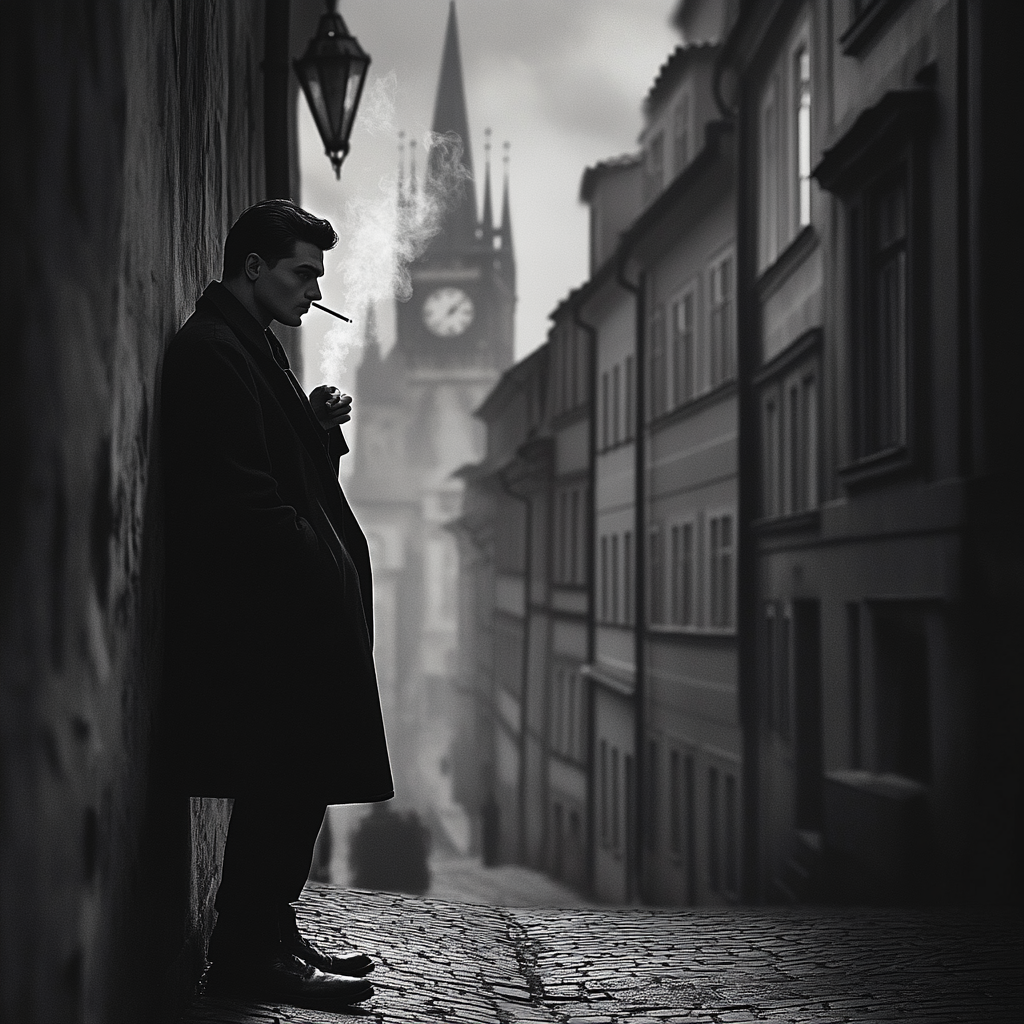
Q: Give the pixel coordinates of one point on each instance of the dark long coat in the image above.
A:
(269, 619)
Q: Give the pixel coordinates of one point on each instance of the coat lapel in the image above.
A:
(297, 408)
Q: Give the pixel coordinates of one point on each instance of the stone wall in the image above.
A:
(132, 136)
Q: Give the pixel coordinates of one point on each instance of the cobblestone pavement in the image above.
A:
(466, 964)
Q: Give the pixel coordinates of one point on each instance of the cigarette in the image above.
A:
(340, 316)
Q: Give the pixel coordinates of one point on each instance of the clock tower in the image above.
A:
(454, 337)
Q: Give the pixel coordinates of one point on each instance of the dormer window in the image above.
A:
(654, 166)
(683, 132)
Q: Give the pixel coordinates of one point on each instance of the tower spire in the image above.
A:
(487, 220)
(506, 211)
(450, 118)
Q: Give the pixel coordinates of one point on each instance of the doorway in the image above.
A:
(807, 693)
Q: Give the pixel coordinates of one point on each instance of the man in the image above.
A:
(269, 606)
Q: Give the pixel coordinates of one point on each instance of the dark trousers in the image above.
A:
(267, 857)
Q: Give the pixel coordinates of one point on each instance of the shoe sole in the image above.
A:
(326, 1002)
(244, 994)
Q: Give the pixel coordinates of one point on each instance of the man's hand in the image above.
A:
(330, 406)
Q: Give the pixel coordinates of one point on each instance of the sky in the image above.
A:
(562, 81)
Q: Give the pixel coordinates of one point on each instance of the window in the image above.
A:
(682, 610)
(565, 724)
(785, 150)
(809, 440)
(802, 117)
(790, 426)
(721, 562)
(878, 169)
(582, 365)
(794, 477)
(683, 347)
(768, 226)
(557, 707)
(627, 577)
(656, 577)
(616, 388)
(659, 368)
(629, 402)
(880, 358)
(570, 534)
(576, 716)
(654, 167)
(614, 615)
(573, 540)
(683, 132)
(722, 340)
(772, 491)
(561, 554)
(604, 579)
(605, 410)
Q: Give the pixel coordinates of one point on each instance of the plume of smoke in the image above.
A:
(386, 233)
(377, 109)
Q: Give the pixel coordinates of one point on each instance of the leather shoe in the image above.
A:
(283, 978)
(352, 965)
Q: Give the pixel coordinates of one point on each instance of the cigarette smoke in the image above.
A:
(386, 232)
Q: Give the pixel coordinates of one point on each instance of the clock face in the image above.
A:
(448, 312)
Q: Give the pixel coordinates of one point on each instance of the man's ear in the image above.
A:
(252, 266)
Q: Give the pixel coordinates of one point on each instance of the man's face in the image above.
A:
(283, 292)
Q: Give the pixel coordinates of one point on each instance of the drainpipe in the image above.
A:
(275, 100)
(748, 475)
(524, 667)
(591, 333)
(639, 566)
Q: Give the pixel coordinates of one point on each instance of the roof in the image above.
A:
(592, 175)
(672, 70)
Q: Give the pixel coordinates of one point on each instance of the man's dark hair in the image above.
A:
(270, 229)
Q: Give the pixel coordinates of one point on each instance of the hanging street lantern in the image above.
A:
(332, 72)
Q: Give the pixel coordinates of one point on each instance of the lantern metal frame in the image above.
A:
(332, 73)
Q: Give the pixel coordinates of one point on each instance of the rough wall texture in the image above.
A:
(132, 137)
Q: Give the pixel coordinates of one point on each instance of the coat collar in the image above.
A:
(248, 330)
(239, 319)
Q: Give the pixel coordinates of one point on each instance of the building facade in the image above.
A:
(786, 669)
(570, 426)
(866, 376)
(683, 250)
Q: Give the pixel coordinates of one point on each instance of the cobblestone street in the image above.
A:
(457, 962)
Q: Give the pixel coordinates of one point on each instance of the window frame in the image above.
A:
(684, 98)
(889, 138)
(678, 395)
(711, 516)
(676, 598)
(778, 165)
(725, 256)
